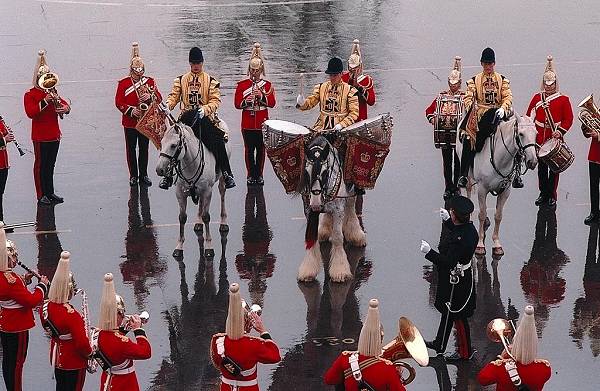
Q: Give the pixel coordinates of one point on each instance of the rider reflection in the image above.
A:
(540, 280)
(49, 247)
(586, 312)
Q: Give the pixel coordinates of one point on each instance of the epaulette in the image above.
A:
(219, 335)
(9, 277)
(500, 362)
(542, 361)
(124, 338)
(69, 308)
(385, 360)
(347, 352)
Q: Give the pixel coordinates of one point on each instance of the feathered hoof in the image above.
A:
(223, 228)
(209, 252)
(306, 278)
(324, 235)
(480, 250)
(341, 276)
(497, 251)
(359, 241)
(177, 253)
(198, 228)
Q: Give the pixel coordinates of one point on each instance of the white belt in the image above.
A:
(239, 383)
(256, 108)
(125, 371)
(65, 337)
(10, 304)
(543, 124)
(464, 267)
(118, 371)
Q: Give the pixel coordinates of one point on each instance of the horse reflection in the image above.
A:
(49, 247)
(586, 312)
(540, 276)
(333, 325)
(142, 261)
(256, 263)
(192, 324)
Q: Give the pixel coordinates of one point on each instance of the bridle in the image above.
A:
(517, 156)
(328, 184)
(175, 159)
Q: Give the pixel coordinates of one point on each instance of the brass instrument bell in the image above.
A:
(498, 330)
(408, 344)
(589, 115)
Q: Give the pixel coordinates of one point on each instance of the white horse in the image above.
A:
(194, 165)
(495, 167)
(331, 213)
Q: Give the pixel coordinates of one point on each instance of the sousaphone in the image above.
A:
(408, 344)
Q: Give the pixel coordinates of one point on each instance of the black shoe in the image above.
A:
(592, 218)
(165, 183)
(541, 200)
(229, 182)
(56, 199)
(260, 181)
(433, 346)
(359, 190)
(517, 182)
(462, 181)
(133, 181)
(44, 201)
(456, 356)
(448, 194)
(551, 202)
(250, 181)
(145, 181)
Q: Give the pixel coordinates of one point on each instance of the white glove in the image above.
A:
(201, 112)
(337, 127)
(500, 113)
(300, 100)
(425, 247)
(444, 214)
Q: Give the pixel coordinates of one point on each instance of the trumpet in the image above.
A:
(589, 115)
(254, 308)
(498, 330)
(9, 130)
(408, 344)
(144, 316)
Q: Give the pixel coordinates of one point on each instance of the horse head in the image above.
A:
(320, 159)
(172, 147)
(526, 133)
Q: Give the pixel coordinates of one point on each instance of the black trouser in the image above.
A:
(138, 167)
(594, 183)
(255, 152)
(43, 167)
(69, 380)
(548, 180)
(463, 333)
(14, 353)
(212, 138)
(449, 169)
(467, 157)
(3, 178)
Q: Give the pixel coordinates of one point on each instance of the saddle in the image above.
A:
(486, 127)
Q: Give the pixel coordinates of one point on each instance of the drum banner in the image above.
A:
(288, 163)
(152, 125)
(364, 161)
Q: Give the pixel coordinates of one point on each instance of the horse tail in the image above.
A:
(312, 229)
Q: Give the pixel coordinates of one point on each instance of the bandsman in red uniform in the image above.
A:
(365, 369)
(561, 115)
(113, 350)
(197, 90)
(254, 96)
(134, 94)
(5, 138)
(450, 104)
(16, 315)
(69, 345)
(337, 100)
(235, 353)
(362, 82)
(44, 107)
(594, 173)
(523, 368)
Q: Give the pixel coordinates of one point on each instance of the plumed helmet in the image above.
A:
(488, 55)
(63, 284)
(41, 66)
(370, 339)
(120, 304)
(355, 59)
(234, 325)
(524, 347)
(136, 59)
(256, 59)
(108, 305)
(455, 74)
(549, 77)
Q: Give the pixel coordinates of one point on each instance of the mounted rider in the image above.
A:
(487, 90)
(197, 90)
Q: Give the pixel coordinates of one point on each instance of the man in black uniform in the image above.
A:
(455, 296)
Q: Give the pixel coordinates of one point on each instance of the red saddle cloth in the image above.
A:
(363, 161)
(288, 163)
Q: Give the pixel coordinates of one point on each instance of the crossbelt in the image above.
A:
(10, 304)
(235, 384)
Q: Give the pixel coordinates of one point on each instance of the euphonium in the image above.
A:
(589, 115)
(498, 330)
(408, 344)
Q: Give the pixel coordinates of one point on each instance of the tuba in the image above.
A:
(408, 344)
(589, 115)
(498, 330)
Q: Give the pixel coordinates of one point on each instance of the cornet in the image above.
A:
(125, 325)
(254, 308)
(498, 330)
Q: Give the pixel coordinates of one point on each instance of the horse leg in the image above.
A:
(482, 195)
(339, 268)
(497, 249)
(325, 227)
(223, 227)
(311, 264)
(182, 200)
(208, 247)
(351, 229)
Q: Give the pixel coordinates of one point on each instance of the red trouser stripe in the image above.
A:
(21, 355)
(37, 163)
(461, 337)
(80, 380)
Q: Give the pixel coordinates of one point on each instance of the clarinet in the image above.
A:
(9, 130)
(28, 269)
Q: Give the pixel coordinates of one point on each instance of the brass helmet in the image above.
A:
(120, 305)
(549, 77)
(136, 61)
(4, 253)
(256, 59)
(63, 284)
(355, 59)
(42, 76)
(11, 249)
(455, 74)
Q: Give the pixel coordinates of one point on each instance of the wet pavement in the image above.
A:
(551, 258)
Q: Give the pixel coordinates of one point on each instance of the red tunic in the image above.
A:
(68, 353)
(367, 97)
(17, 302)
(253, 116)
(126, 98)
(382, 376)
(535, 375)
(3, 145)
(562, 114)
(44, 119)
(246, 352)
(118, 348)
